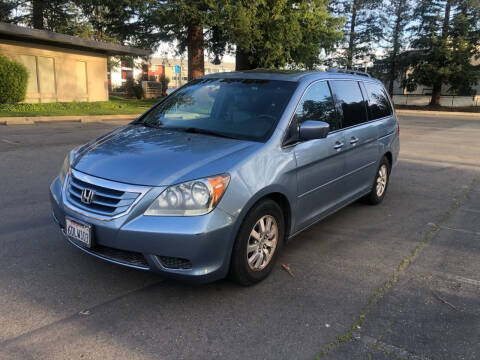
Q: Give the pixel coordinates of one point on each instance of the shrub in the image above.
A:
(13, 81)
(134, 88)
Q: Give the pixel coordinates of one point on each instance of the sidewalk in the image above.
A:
(29, 120)
(437, 113)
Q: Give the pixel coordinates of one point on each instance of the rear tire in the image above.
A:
(258, 243)
(380, 183)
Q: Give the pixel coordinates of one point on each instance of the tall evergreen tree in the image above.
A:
(186, 22)
(364, 28)
(61, 16)
(395, 37)
(465, 45)
(447, 40)
(115, 20)
(7, 8)
(38, 14)
(279, 33)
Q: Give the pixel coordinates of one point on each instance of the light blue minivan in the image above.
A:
(214, 179)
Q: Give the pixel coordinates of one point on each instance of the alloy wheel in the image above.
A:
(262, 243)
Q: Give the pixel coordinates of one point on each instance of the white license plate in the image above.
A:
(79, 232)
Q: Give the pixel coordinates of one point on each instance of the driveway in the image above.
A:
(396, 281)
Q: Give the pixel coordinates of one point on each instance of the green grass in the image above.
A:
(116, 106)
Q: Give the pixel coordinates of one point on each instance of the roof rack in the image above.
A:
(349, 71)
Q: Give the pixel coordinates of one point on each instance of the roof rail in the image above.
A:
(349, 71)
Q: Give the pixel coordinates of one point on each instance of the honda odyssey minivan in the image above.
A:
(213, 179)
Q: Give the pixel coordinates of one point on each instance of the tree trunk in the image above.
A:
(437, 86)
(196, 62)
(351, 41)
(37, 14)
(436, 92)
(396, 46)
(242, 61)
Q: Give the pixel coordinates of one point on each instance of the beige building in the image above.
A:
(61, 67)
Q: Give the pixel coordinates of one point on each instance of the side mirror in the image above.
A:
(311, 129)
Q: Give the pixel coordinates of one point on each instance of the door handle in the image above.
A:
(353, 140)
(338, 145)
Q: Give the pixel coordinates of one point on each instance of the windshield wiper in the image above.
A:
(208, 132)
(148, 124)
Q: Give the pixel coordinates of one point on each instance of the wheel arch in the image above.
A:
(280, 197)
(389, 157)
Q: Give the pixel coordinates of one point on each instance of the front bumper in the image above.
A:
(196, 248)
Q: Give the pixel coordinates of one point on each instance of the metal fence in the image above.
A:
(447, 100)
(152, 89)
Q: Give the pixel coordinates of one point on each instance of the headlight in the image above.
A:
(66, 165)
(64, 169)
(196, 197)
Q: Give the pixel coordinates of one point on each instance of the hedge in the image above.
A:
(13, 81)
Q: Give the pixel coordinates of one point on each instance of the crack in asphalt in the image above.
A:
(353, 332)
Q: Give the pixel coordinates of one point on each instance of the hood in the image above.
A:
(147, 156)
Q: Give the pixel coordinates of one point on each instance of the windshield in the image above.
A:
(236, 108)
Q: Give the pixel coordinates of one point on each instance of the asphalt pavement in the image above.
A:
(396, 281)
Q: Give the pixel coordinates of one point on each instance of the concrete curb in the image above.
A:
(30, 120)
(437, 113)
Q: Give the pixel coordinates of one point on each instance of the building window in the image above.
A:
(127, 74)
(46, 75)
(81, 69)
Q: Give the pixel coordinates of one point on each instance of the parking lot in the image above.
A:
(396, 281)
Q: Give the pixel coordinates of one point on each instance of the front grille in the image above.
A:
(122, 256)
(175, 263)
(106, 202)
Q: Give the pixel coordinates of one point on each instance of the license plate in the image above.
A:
(81, 233)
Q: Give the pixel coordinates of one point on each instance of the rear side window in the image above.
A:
(317, 104)
(350, 102)
(378, 104)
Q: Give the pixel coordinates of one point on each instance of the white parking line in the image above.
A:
(391, 349)
(455, 229)
(472, 210)
(9, 142)
(456, 278)
(460, 230)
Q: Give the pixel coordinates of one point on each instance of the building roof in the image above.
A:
(20, 33)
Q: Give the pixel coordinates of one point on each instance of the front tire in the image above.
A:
(380, 183)
(258, 243)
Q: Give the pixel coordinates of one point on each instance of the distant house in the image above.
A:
(156, 67)
(61, 67)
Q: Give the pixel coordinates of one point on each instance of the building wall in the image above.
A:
(60, 75)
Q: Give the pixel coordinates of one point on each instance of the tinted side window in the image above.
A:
(317, 104)
(349, 99)
(378, 104)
